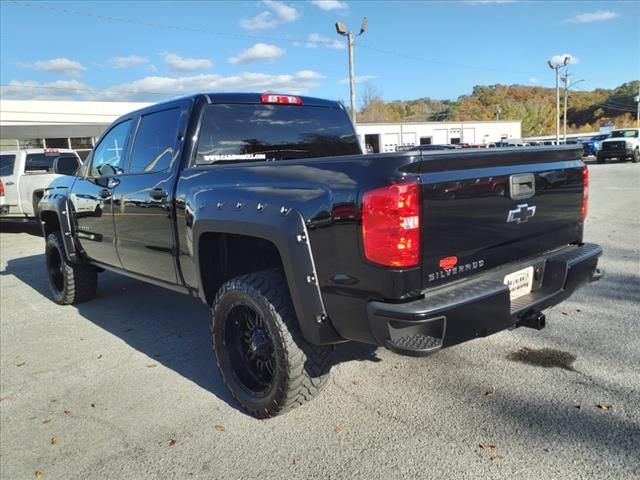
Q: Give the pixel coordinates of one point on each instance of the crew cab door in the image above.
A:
(92, 195)
(144, 197)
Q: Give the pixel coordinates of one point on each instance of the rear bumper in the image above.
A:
(481, 306)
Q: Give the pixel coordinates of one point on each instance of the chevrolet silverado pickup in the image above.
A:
(265, 207)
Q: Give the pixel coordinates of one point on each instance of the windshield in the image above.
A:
(241, 132)
(624, 134)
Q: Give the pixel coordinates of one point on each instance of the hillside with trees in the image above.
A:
(535, 106)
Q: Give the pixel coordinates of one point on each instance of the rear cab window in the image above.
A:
(66, 163)
(263, 132)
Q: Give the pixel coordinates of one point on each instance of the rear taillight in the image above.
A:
(1, 189)
(391, 225)
(585, 192)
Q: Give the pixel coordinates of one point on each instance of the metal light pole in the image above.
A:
(342, 30)
(567, 86)
(557, 68)
(498, 112)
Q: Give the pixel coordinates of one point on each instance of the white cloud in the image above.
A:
(533, 80)
(176, 63)
(259, 52)
(279, 14)
(316, 39)
(589, 17)
(156, 88)
(61, 65)
(127, 62)
(360, 78)
(30, 90)
(559, 59)
(330, 4)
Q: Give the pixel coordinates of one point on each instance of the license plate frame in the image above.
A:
(519, 283)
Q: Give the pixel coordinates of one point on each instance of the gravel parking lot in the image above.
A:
(125, 387)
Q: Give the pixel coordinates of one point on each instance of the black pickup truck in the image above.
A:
(264, 206)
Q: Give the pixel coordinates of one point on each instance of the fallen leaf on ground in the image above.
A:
(54, 400)
(182, 396)
(67, 412)
(3, 398)
(99, 356)
(219, 428)
(564, 313)
(39, 474)
(44, 422)
(578, 310)
(172, 442)
(496, 457)
(339, 429)
(603, 406)
(93, 405)
(487, 446)
(526, 350)
(152, 365)
(577, 406)
(54, 440)
(355, 382)
(295, 459)
(490, 393)
(21, 364)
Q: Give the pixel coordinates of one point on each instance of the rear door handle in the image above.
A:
(104, 194)
(158, 194)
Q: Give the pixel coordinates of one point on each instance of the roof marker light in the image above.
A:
(280, 99)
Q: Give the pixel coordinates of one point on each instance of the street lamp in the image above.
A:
(557, 66)
(342, 30)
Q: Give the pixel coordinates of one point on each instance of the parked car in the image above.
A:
(623, 144)
(265, 208)
(25, 175)
(592, 145)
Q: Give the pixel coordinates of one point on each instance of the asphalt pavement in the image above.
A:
(125, 386)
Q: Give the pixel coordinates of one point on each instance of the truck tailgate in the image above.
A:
(483, 210)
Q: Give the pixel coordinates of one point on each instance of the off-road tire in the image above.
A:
(301, 369)
(600, 159)
(635, 157)
(71, 283)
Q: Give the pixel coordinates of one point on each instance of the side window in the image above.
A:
(6, 165)
(153, 147)
(108, 156)
(67, 165)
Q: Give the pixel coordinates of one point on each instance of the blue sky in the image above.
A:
(149, 51)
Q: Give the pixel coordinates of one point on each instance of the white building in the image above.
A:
(386, 137)
(77, 125)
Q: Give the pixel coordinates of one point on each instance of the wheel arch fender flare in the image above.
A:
(58, 204)
(286, 229)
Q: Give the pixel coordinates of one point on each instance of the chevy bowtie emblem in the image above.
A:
(521, 214)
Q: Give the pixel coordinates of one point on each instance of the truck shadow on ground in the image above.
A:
(168, 327)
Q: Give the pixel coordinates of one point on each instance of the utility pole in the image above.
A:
(567, 86)
(342, 30)
(637, 99)
(498, 112)
(557, 67)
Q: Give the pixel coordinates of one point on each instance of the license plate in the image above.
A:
(519, 282)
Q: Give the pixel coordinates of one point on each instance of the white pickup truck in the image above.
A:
(624, 143)
(25, 174)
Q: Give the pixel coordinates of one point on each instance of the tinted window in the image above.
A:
(67, 165)
(6, 165)
(240, 132)
(153, 148)
(44, 162)
(108, 157)
(624, 133)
